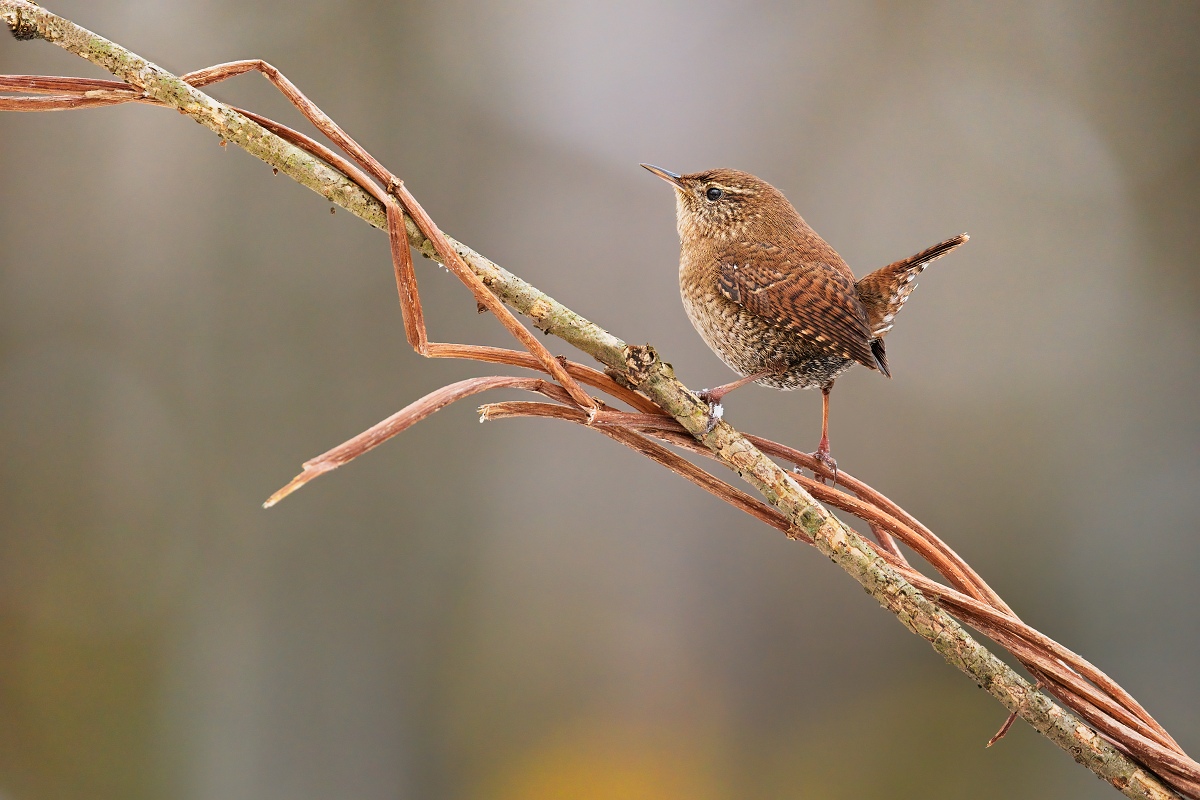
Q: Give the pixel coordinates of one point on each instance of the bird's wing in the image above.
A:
(884, 291)
(816, 301)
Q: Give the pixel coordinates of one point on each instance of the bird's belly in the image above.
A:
(749, 344)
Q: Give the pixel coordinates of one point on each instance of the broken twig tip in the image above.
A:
(294, 484)
(1003, 729)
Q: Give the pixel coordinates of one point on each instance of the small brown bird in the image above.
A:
(771, 297)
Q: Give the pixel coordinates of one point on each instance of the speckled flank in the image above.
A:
(725, 327)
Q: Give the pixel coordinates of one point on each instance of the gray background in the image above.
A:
(524, 609)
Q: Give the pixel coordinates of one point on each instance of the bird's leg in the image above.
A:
(822, 453)
(713, 396)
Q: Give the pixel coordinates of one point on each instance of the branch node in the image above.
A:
(639, 360)
(23, 28)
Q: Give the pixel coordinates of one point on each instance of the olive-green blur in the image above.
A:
(524, 609)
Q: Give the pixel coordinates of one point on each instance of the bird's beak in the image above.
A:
(666, 175)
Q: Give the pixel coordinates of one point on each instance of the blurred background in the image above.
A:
(524, 609)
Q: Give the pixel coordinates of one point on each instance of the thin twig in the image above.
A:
(405, 418)
(636, 441)
(1012, 717)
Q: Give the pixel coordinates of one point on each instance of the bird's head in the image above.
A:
(725, 204)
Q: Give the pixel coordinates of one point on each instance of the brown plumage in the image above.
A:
(771, 297)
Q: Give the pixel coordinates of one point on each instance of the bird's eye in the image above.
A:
(713, 193)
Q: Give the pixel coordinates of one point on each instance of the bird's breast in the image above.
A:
(747, 343)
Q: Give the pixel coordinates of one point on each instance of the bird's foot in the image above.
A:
(715, 410)
(827, 461)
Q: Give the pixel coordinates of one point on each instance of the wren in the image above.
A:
(772, 298)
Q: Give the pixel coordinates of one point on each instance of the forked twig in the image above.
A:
(662, 409)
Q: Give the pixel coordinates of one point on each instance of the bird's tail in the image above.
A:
(884, 291)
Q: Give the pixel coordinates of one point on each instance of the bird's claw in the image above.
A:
(827, 461)
(715, 410)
